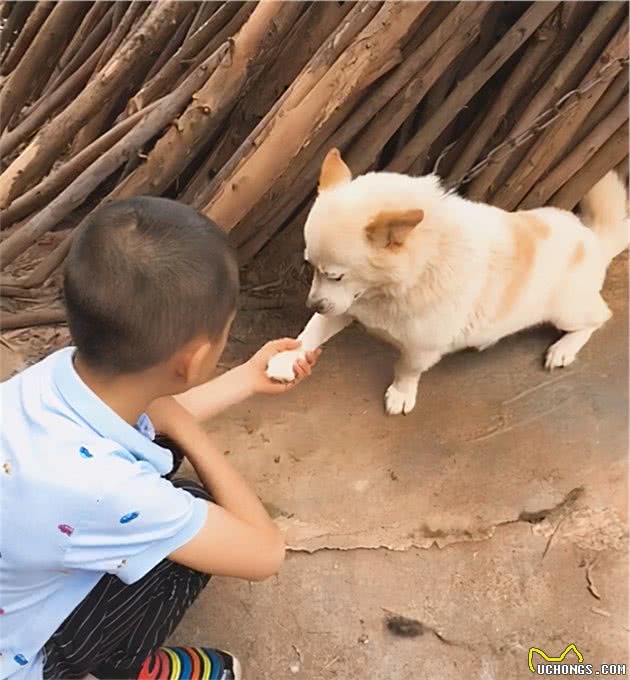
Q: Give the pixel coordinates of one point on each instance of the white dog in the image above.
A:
(432, 272)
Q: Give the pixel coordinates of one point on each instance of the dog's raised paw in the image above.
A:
(280, 366)
(560, 354)
(399, 402)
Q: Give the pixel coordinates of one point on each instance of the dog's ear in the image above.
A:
(389, 229)
(334, 171)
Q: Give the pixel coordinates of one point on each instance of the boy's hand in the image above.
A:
(255, 370)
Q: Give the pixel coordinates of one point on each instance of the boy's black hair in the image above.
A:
(144, 276)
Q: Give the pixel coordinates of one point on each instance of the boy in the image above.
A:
(101, 553)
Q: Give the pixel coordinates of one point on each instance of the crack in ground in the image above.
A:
(426, 538)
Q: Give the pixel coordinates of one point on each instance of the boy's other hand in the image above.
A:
(255, 370)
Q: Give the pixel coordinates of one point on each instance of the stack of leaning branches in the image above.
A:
(231, 107)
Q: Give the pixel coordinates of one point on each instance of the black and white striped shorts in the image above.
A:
(117, 625)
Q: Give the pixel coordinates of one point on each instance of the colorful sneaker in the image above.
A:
(190, 663)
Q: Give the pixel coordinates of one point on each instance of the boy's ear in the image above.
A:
(390, 229)
(334, 171)
(191, 361)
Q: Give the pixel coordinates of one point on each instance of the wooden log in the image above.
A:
(419, 145)
(90, 21)
(85, 49)
(578, 158)
(212, 103)
(513, 88)
(15, 21)
(617, 89)
(73, 195)
(564, 77)
(354, 22)
(412, 78)
(613, 152)
(61, 177)
(129, 15)
(38, 60)
(38, 157)
(206, 9)
(177, 65)
(34, 22)
(48, 265)
(353, 72)
(310, 31)
(41, 317)
(444, 45)
(556, 136)
(173, 44)
(49, 105)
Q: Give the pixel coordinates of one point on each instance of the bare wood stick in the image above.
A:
(458, 31)
(412, 78)
(487, 67)
(205, 11)
(41, 317)
(130, 16)
(90, 21)
(171, 154)
(354, 22)
(48, 265)
(555, 137)
(48, 105)
(512, 89)
(178, 63)
(26, 35)
(16, 291)
(578, 158)
(353, 72)
(310, 31)
(564, 77)
(20, 12)
(60, 178)
(233, 26)
(89, 179)
(608, 156)
(38, 157)
(172, 46)
(86, 47)
(38, 59)
(617, 89)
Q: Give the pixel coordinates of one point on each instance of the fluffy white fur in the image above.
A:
(433, 273)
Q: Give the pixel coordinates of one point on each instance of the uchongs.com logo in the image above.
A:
(569, 663)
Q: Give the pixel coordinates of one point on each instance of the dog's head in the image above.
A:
(359, 232)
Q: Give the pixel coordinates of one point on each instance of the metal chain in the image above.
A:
(565, 104)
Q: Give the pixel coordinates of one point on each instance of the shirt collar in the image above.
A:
(103, 420)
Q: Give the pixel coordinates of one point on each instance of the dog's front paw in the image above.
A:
(400, 401)
(280, 366)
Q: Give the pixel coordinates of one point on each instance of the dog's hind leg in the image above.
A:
(580, 322)
(400, 396)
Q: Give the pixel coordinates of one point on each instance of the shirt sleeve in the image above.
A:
(139, 520)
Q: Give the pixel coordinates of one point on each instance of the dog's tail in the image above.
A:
(605, 210)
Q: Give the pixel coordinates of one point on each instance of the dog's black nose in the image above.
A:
(316, 305)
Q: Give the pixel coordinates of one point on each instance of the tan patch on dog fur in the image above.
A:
(389, 229)
(578, 254)
(334, 171)
(527, 230)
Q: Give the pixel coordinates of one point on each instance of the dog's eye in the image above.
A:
(336, 278)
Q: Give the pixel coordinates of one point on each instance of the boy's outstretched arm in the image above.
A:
(242, 382)
(238, 538)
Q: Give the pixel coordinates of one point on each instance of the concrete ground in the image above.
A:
(495, 515)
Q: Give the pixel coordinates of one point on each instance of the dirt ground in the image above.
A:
(495, 515)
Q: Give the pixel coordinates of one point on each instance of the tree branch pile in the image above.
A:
(231, 106)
